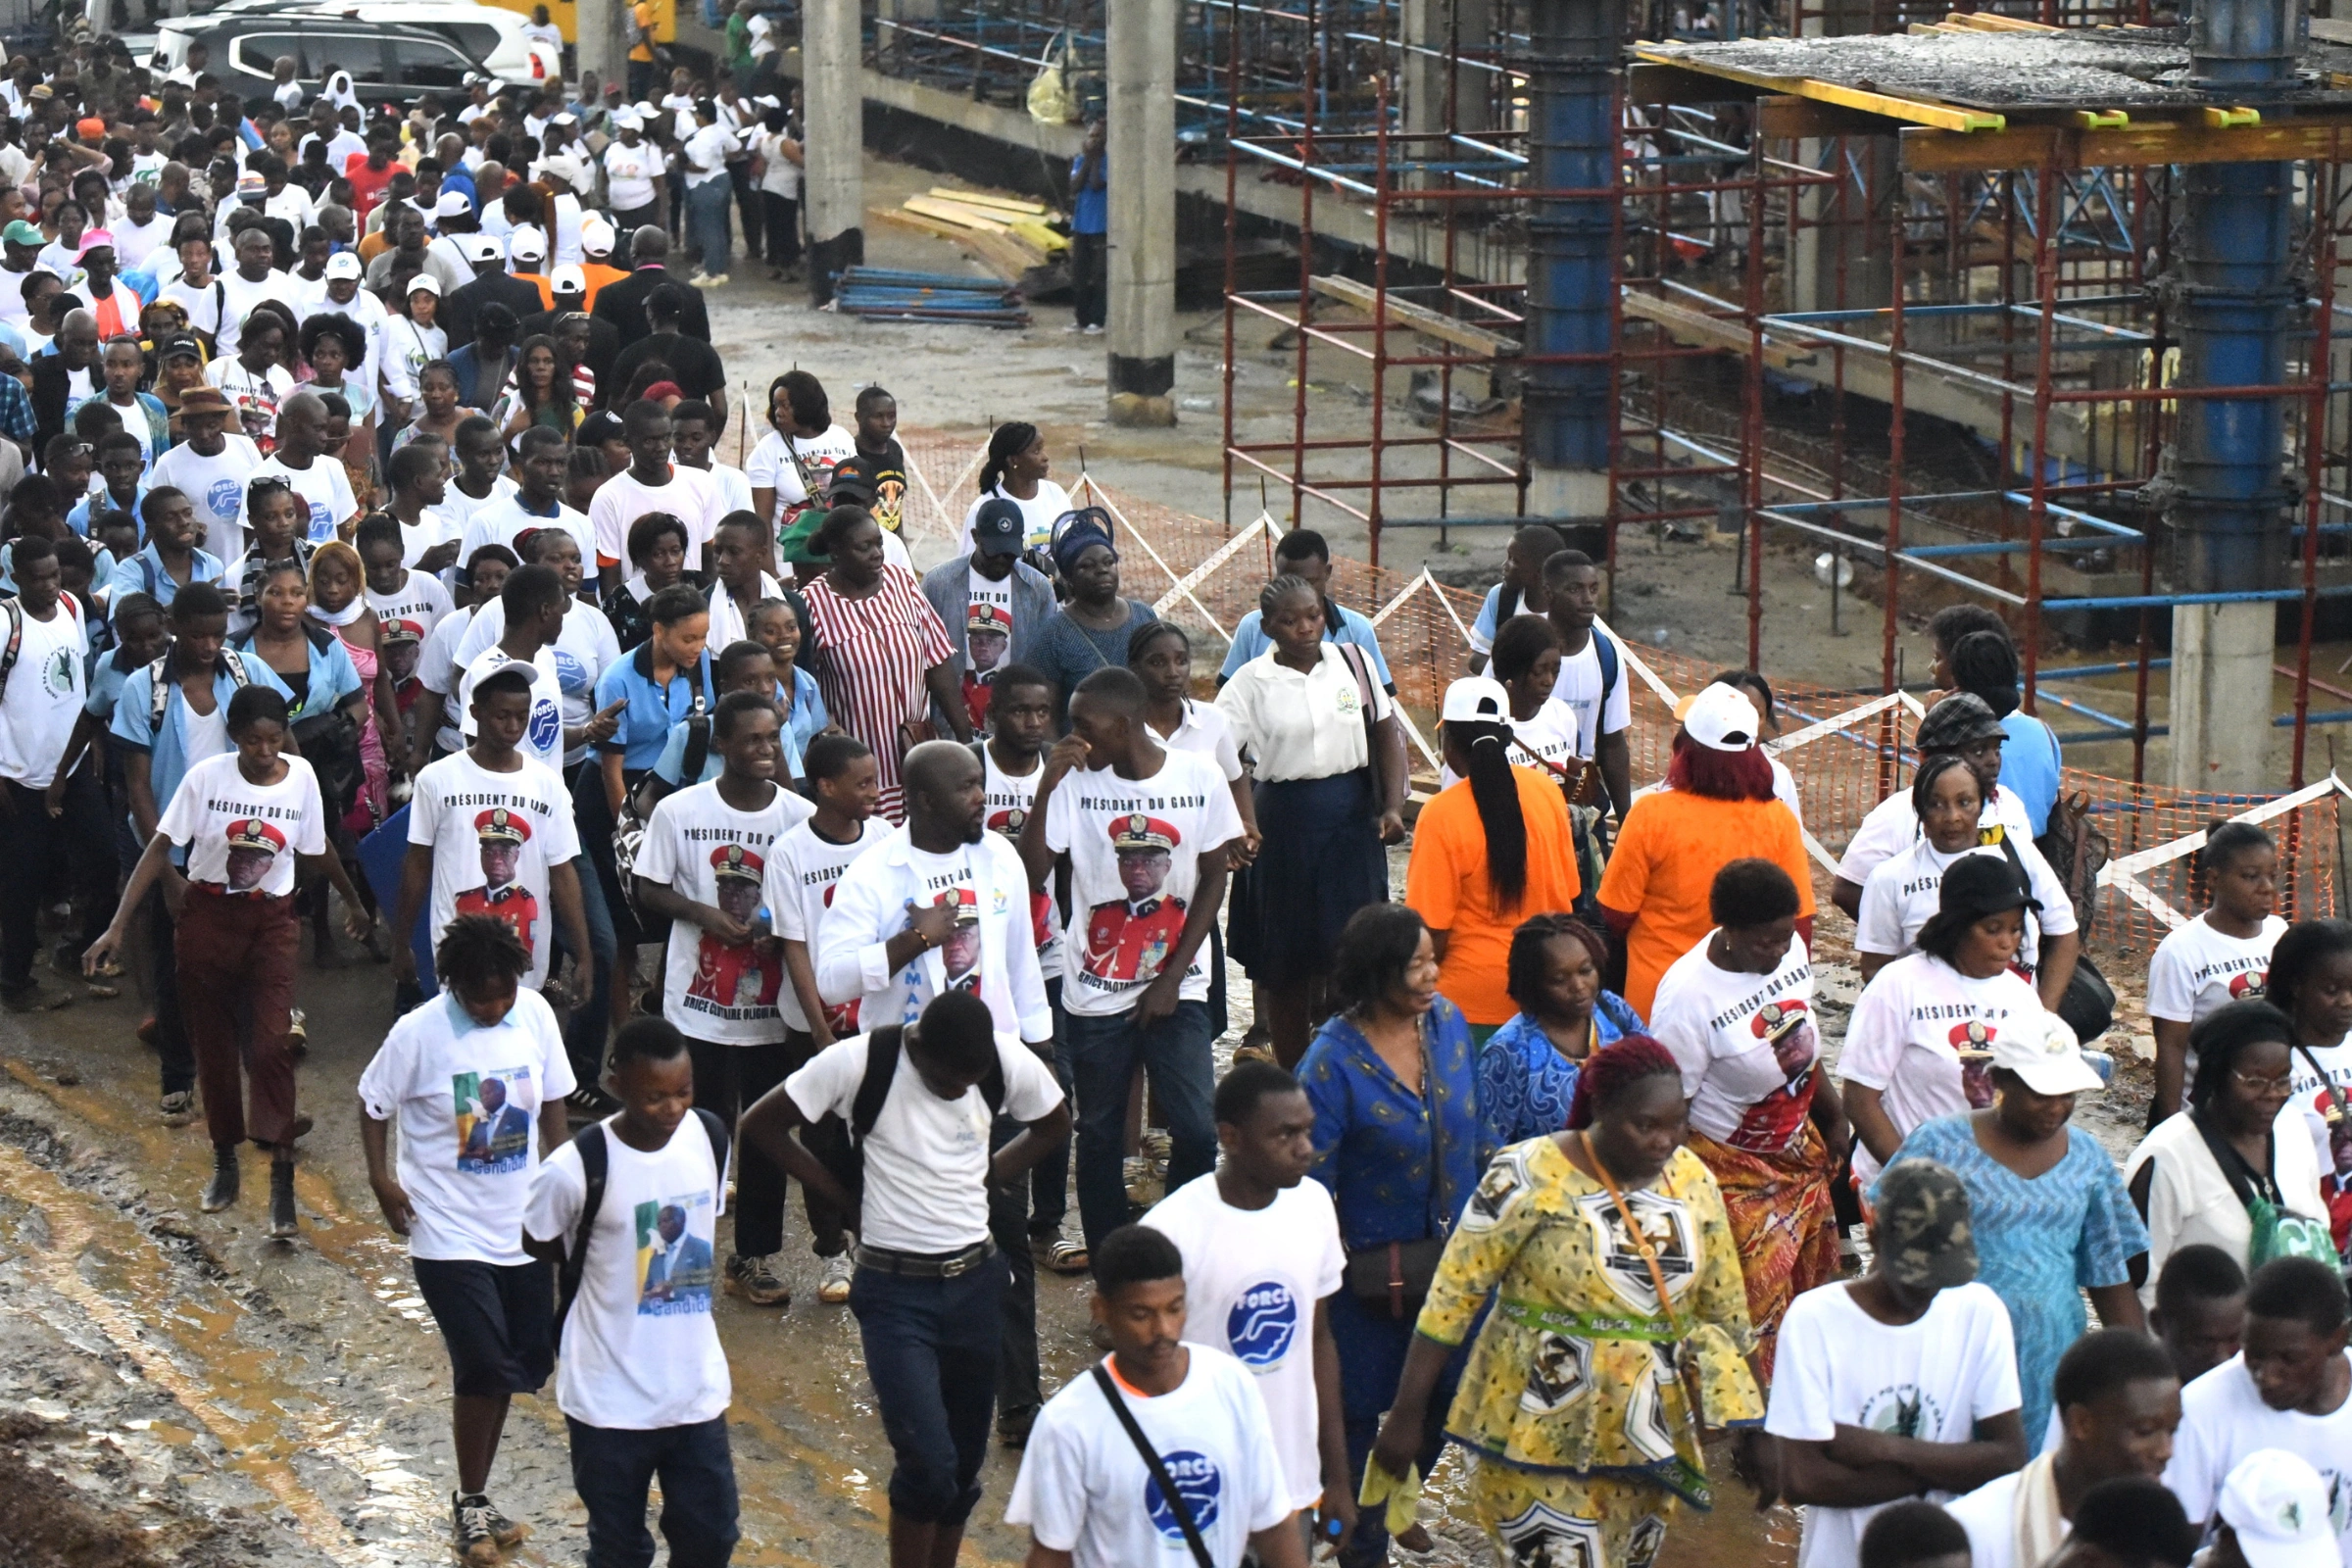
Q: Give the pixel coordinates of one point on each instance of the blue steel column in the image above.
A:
(1569, 413)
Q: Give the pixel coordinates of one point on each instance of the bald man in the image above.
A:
(68, 374)
(623, 303)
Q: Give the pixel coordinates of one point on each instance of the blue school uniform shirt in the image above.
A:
(808, 717)
(144, 574)
(333, 676)
(168, 759)
(1090, 209)
(2029, 764)
(1250, 640)
(645, 723)
(78, 520)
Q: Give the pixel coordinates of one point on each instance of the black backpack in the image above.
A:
(845, 1156)
(595, 1162)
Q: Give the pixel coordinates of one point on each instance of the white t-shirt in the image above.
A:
(2198, 970)
(770, 467)
(1908, 1029)
(1547, 735)
(324, 487)
(1904, 892)
(1892, 825)
(709, 853)
(216, 486)
(926, 1160)
(1933, 1379)
(2333, 1152)
(255, 396)
(1038, 515)
(1004, 803)
(1989, 1516)
(243, 836)
(416, 607)
(434, 526)
(501, 520)
(1084, 1490)
(798, 890)
(493, 837)
(466, 1099)
(1135, 848)
(1580, 687)
(1746, 1045)
(688, 496)
(239, 297)
(1251, 1282)
(2222, 1419)
(2191, 1201)
(629, 175)
(543, 736)
(44, 694)
(581, 653)
(437, 669)
(461, 507)
(733, 487)
(639, 1349)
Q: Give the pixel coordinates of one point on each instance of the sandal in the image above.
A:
(1062, 1254)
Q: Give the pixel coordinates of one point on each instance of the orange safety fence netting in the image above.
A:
(1848, 751)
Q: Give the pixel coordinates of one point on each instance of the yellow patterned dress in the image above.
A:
(1572, 1402)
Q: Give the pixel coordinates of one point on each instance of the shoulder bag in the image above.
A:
(2088, 1004)
(2278, 1232)
(1397, 1274)
(1159, 1471)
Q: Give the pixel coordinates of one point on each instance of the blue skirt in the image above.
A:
(1319, 861)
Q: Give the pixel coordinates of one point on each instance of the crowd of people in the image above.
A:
(368, 554)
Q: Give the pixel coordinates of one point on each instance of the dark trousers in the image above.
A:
(1090, 287)
(163, 982)
(1009, 1222)
(612, 1469)
(1174, 1055)
(641, 80)
(35, 844)
(592, 1020)
(1049, 1177)
(931, 1347)
(237, 962)
(748, 207)
(625, 224)
(828, 1138)
(783, 229)
(1372, 1351)
(727, 1078)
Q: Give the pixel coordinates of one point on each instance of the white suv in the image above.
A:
(489, 36)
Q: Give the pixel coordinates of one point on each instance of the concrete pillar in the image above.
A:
(603, 42)
(834, 178)
(2220, 705)
(1434, 28)
(1140, 83)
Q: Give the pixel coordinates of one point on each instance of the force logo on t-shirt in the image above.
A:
(674, 1264)
(494, 1133)
(224, 496)
(736, 980)
(1263, 1320)
(1197, 1483)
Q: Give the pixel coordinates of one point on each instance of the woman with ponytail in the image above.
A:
(1717, 807)
(1015, 471)
(1488, 852)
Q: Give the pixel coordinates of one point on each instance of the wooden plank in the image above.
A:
(953, 213)
(2326, 30)
(981, 198)
(1650, 83)
(1689, 325)
(1420, 319)
(2140, 143)
(1800, 118)
(1911, 110)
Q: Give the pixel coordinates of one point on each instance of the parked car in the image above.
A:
(394, 49)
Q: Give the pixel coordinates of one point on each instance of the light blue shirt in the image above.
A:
(808, 717)
(167, 749)
(2029, 764)
(1250, 640)
(333, 676)
(78, 520)
(144, 574)
(647, 720)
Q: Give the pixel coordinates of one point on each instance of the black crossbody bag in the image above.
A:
(1159, 1471)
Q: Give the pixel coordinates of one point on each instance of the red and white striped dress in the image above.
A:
(871, 656)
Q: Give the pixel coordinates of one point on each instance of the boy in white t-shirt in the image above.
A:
(918, 1100)
(1261, 1260)
(244, 818)
(466, 1074)
(1087, 1492)
(1901, 1382)
(642, 1381)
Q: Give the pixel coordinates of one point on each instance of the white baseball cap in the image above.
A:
(480, 248)
(597, 237)
(566, 277)
(344, 264)
(627, 120)
(452, 204)
(425, 282)
(1476, 699)
(527, 244)
(2044, 1052)
(2278, 1505)
(1719, 718)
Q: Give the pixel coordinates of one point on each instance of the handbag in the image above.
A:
(628, 826)
(2278, 1231)
(1169, 1496)
(1397, 1274)
(2087, 1006)
(2076, 851)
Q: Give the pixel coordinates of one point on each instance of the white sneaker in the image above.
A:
(708, 280)
(1093, 330)
(834, 1288)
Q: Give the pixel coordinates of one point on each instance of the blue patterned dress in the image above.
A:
(1525, 1084)
(2039, 1243)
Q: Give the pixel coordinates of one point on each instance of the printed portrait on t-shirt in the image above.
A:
(253, 850)
(986, 635)
(1973, 1040)
(890, 501)
(1129, 940)
(494, 1133)
(403, 641)
(2339, 1134)
(1787, 1026)
(2249, 986)
(502, 834)
(674, 1255)
(959, 955)
(841, 1019)
(738, 979)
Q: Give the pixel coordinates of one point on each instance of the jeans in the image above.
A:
(931, 1347)
(1372, 1350)
(707, 222)
(591, 1022)
(611, 1469)
(1009, 1222)
(1103, 1053)
(746, 206)
(1090, 287)
(35, 844)
(727, 1079)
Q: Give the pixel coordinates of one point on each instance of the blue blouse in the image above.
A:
(1524, 1083)
(333, 676)
(1372, 1143)
(2039, 1243)
(646, 721)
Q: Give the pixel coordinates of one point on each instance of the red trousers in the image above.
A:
(236, 964)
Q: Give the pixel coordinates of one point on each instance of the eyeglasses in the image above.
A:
(2285, 1083)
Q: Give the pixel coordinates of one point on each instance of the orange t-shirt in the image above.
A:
(1446, 881)
(1663, 866)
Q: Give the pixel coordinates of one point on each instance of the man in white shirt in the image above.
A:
(2290, 1387)
(918, 1100)
(543, 459)
(209, 466)
(2118, 1402)
(42, 689)
(1090, 1486)
(652, 482)
(301, 460)
(1261, 1260)
(1595, 680)
(1900, 1384)
(642, 1381)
